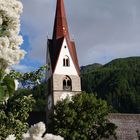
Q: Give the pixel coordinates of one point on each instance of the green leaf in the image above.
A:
(1, 93)
(1, 74)
(10, 84)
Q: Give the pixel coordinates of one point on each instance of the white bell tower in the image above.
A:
(64, 71)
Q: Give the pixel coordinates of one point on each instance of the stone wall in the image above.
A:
(58, 86)
(127, 124)
(58, 82)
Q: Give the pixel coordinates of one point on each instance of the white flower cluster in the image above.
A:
(36, 133)
(16, 84)
(10, 40)
(66, 95)
(11, 137)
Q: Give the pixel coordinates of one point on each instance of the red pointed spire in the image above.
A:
(60, 32)
(60, 24)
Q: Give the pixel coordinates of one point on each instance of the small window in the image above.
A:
(66, 61)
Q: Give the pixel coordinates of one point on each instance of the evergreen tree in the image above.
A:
(117, 82)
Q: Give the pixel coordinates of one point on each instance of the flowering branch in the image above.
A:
(31, 79)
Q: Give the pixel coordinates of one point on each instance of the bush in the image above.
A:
(14, 115)
(83, 118)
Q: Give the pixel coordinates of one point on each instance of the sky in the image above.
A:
(103, 30)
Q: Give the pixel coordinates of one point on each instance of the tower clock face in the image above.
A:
(49, 102)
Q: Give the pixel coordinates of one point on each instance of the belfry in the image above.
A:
(64, 72)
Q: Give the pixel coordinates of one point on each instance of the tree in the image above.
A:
(32, 83)
(14, 115)
(16, 105)
(117, 82)
(83, 118)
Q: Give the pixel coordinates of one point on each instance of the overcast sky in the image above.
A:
(102, 29)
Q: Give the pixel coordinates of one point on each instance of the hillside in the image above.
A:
(89, 68)
(118, 82)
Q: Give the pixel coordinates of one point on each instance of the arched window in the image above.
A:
(67, 84)
(66, 61)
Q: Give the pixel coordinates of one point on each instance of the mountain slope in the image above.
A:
(118, 82)
(89, 68)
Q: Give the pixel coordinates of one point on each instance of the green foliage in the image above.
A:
(7, 86)
(30, 85)
(40, 96)
(2, 94)
(31, 79)
(88, 68)
(83, 118)
(15, 106)
(118, 82)
(14, 115)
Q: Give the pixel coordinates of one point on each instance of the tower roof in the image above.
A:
(60, 25)
(60, 32)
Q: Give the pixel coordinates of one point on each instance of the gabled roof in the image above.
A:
(55, 48)
(74, 56)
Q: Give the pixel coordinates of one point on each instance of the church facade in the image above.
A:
(64, 72)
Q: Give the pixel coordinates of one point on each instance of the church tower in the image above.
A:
(64, 73)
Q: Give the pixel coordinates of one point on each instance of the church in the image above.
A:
(64, 72)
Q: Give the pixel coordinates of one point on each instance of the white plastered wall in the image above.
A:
(60, 69)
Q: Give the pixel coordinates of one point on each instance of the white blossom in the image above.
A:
(10, 40)
(36, 133)
(16, 84)
(7, 71)
(4, 42)
(52, 137)
(37, 129)
(38, 82)
(11, 137)
(66, 95)
(1, 21)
